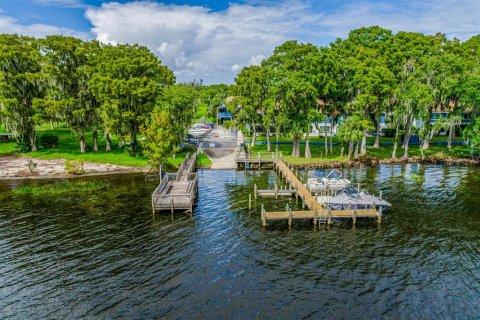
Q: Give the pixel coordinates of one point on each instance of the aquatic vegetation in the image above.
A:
(62, 187)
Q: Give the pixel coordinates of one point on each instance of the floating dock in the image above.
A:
(316, 212)
(177, 191)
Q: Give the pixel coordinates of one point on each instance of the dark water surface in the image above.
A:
(105, 255)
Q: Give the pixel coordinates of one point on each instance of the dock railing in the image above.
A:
(176, 200)
(243, 156)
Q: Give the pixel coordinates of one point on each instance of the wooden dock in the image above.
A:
(177, 191)
(316, 211)
(255, 160)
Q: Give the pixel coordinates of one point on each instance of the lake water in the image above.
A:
(106, 255)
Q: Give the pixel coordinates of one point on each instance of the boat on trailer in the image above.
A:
(333, 182)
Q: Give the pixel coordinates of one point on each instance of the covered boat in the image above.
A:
(352, 198)
(333, 182)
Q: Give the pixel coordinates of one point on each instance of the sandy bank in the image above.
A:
(17, 168)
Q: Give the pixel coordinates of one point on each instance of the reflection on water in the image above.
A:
(106, 255)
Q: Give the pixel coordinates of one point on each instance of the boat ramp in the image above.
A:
(177, 191)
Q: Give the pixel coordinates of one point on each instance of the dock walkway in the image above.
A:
(316, 211)
(177, 191)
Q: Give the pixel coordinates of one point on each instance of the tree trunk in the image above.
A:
(356, 151)
(425, 143)
(95, 140)
(450, 136)
(33, 137)
(395, 143)
(133, 138)
(51, 124)
(254, 137)
(296, 146)
(269, 148)
(108, 146)
(82, 143)
(331, 134)
(406, 139)
(277, 136)
(325, 136)
(377, 137)
(363, 150)
(350, 150)
(307, 146)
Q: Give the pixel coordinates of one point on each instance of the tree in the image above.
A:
(293, 68)
(127, 80)
(159, 137)
(180, 102)
(67, 76)
(21, 83)
(351, 131)
(413, 96)
(250, 95)
(472, 134)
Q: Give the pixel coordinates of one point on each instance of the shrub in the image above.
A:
(74, 166)
(48, 141)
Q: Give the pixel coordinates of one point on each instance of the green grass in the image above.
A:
(69, 148)
(203, 161)
(7, 148)
(62, 187)
(318, 152)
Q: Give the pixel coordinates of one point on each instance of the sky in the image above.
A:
(212, 40)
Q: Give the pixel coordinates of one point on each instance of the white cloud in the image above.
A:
(197, 42)
(11, 25)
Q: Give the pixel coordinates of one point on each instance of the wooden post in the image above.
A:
(249, 201)
(276, 191)
(255, 191)
(315, 217)
(379, 219)
(354, 216)
(289, 217)
(303, 203)
(264, 222)
(171, 203)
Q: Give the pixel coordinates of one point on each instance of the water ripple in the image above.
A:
(107, 256)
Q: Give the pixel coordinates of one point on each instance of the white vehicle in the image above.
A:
(199, 130)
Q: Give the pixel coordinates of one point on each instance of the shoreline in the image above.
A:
(16, 168)
(374, 161)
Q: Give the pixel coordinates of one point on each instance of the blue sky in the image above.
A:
(212, 40)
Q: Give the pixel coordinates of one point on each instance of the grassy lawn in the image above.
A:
(7, 148)
(69, 148)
